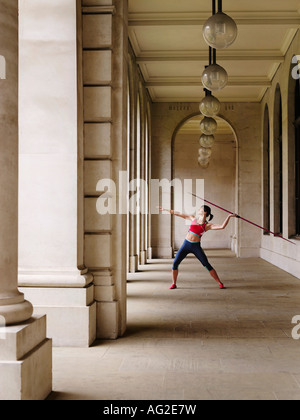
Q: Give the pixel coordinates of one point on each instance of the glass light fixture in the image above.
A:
(210, 106)
(214, 77)
(205, 152)
(208, 125)
(207, 141)
(220, 30)
(204, 163)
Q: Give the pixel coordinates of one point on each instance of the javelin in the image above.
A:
(248, 221)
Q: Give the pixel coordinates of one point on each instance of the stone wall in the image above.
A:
(244, 119)
(219, 184)
(274, 249)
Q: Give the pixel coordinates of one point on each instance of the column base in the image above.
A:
(25, 361)
(162, 252)
(71, 314)
(16, 313)
(133, 264)
(107, 316)
(143, 258)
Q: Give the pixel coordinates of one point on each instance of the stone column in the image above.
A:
(25, 352)
(105, 60)
(143, 189)
(13, 307)
(149, 216)
(133, 257)
(51, 246)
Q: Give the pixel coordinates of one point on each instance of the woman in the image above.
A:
(192, 243)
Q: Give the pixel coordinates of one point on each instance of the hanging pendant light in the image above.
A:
(205, 152)
(207, 141)
(209, 106)
(220, 30)
(208, 126)
(214, 77)
(204, 163)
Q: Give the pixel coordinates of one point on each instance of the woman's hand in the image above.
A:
(160, 208)
(221, 227)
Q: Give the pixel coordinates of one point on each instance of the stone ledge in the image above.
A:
(70, 326)
(52, 296)
(18, 340)
(30, 378)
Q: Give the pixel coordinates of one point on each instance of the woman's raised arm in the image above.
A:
(220, 227)
(177, 213)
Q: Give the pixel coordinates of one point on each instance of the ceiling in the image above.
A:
(166, 36)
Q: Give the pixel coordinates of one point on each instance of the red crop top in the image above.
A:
(197, 229)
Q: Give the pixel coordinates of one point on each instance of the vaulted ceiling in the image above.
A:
(166, 36)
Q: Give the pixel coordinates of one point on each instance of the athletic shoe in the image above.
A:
(173, 286)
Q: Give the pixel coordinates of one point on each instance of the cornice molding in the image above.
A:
(202, 56)
(98, 10)
(198, 18)
(196, 81)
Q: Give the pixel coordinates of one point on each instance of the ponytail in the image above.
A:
(207, 210)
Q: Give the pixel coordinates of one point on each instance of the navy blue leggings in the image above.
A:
(191, 248)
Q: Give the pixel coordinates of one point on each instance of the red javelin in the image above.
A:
(248, 221)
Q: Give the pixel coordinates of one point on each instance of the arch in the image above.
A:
(195, 114)
(293, 153)
(278, 163)
(234, 243)
(266, 169)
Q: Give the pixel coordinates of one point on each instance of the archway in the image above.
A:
(266, 169)
(278, 163)
(220, 178)
(293, 197)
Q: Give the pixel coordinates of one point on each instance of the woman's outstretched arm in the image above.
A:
(220, 227)
(177, 213)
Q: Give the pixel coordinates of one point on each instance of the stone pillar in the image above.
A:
(25, 352)
(133, 257)
(13, 307)
(143, 189)
(51, 247)
(149, 216)
(105, 60)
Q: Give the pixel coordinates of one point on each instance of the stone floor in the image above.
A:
(196, 342)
